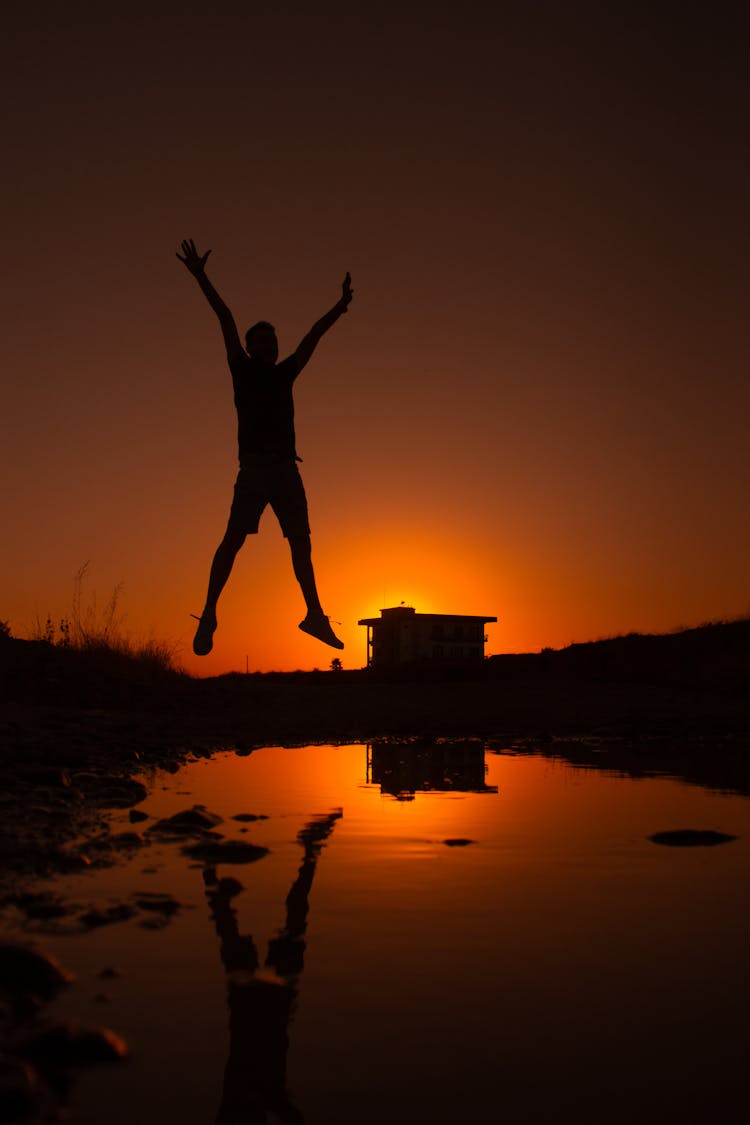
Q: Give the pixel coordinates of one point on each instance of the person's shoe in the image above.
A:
(318, 626)
(203, 641)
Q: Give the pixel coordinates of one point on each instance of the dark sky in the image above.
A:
(537, 407)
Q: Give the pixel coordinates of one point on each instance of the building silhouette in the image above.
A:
(402, 636)
(403, 769)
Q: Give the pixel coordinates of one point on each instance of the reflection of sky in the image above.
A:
(537, 405)
(560, 940)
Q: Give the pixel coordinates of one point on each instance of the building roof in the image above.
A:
(409, 611)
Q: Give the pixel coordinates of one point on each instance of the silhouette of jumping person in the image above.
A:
(263, 396)
(262, 1001)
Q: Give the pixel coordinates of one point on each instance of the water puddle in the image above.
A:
(403, 934)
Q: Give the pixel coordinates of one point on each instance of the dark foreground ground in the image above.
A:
(78, 731)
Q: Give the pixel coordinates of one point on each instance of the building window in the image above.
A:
(437, 652)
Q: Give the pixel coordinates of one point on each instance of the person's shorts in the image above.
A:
(274, 481)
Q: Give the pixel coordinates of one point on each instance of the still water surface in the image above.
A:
(557, 966)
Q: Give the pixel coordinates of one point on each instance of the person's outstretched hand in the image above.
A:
(194, 261)
(346, 292)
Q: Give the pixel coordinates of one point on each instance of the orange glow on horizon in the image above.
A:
(536, 406)
(392, 569)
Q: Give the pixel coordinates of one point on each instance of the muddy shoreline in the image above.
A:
(79, 733)
(81, 738)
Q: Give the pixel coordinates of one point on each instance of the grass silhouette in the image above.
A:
(100, 632)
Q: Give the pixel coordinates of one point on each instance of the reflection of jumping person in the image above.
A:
(261, 1001)
(268, 457)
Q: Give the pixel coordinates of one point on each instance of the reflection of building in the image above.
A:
(402, 636)
(403, 769)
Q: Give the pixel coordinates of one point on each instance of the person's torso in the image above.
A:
(264, 400)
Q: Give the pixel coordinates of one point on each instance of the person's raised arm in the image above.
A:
(308, 344)
(195, 263)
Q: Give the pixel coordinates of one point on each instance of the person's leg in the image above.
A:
(301, 549)
(315, 623)
(289, 502)
(250, 498)
(221, 568)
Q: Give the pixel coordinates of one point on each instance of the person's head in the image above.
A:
(261, 342)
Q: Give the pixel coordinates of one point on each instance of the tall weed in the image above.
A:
(89, 629)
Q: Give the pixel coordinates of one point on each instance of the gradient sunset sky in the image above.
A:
(537, 406)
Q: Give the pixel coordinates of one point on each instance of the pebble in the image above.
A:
(25, 970)
(124, 793)
(189, 822)
(691, 838)
(158, 903)
(70, 1044)
(225, 851)
(40, 905)
(127, 840)
(105, 916)
(18, 1089)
